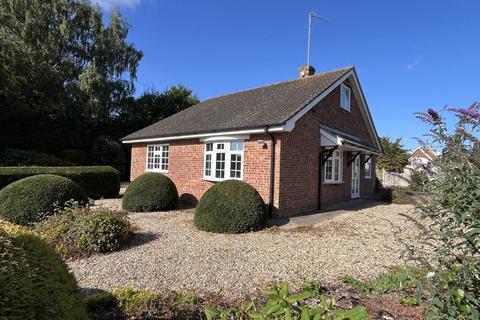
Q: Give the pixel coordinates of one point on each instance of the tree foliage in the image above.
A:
(67, 77)
(150, 107)
(394, 157)
(62, 68)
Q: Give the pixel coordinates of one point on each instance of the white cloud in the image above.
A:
(111, 4)
(412, 65)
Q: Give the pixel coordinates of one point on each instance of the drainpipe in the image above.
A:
(320, 179)
(272, 171)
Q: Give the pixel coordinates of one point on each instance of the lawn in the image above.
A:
(170, 253)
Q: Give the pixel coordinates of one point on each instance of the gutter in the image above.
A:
(272, 171)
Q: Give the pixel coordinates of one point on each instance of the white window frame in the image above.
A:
(161, 154)
(369, 164)
(344, 88)
(228, 155)
(336, 155)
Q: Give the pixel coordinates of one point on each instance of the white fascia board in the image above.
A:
(367, 111)
(328, 140)
(290, 124)
(226, 138)
(207, 135)
(359, 148)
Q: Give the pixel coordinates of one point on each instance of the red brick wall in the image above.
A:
(367, 186)
(186, 166)
(300, 157)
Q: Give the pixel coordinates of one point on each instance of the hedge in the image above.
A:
(34, 198)
(35, 282)
(96, 181)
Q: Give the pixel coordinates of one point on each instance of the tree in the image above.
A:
(150, 107)
(394, 157)
(62, 70)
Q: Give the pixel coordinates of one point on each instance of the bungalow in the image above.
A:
(302, 143)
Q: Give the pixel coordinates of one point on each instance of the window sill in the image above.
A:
(332, 182)
(368, 178)
(220, 179)
(156, 170)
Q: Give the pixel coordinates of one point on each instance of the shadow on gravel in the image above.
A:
(141, 238)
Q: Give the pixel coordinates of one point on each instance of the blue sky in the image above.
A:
(410, 55)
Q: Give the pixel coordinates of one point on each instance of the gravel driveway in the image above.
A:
(170, 253)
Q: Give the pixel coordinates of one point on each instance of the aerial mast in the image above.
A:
(311, 16)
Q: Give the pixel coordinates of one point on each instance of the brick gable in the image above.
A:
(299, 174)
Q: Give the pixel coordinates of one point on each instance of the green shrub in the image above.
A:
(76, 156)
(452, 213)
(106, 151)
(398, 280)
(315, 288)
(80, 231)
(418, 179)
(30, 200)
(15, 157)
(97, 182)
(150, 192)
(147, 304)
(102, 231)
(230, 206)
(35, 282)
(136, 303)
(282, 304)
(102, 306)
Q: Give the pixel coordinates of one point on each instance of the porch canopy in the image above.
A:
(334, 138)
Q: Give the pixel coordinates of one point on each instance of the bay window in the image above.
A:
(223, 160)
(333, 167)
(157, 157)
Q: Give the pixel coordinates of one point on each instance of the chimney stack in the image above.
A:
(306, 71)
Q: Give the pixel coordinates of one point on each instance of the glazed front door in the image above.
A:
(356, 178)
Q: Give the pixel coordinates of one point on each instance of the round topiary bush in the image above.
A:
(35, 282)
(230, 206)
(76, 156)
(150, 192)
(31, 199)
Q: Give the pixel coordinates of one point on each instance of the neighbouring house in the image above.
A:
(302, 143)
(421, 159)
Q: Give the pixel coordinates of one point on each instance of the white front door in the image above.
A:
(356, 178)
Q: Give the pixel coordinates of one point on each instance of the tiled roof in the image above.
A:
(256, 108)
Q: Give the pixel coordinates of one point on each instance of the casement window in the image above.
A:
(333, 168)
(345, 97)
(223, 160)
(157, 157)
(368, 169)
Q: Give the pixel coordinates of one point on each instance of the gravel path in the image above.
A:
(169, 253)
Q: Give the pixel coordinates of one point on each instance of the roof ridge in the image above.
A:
(280, 82)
